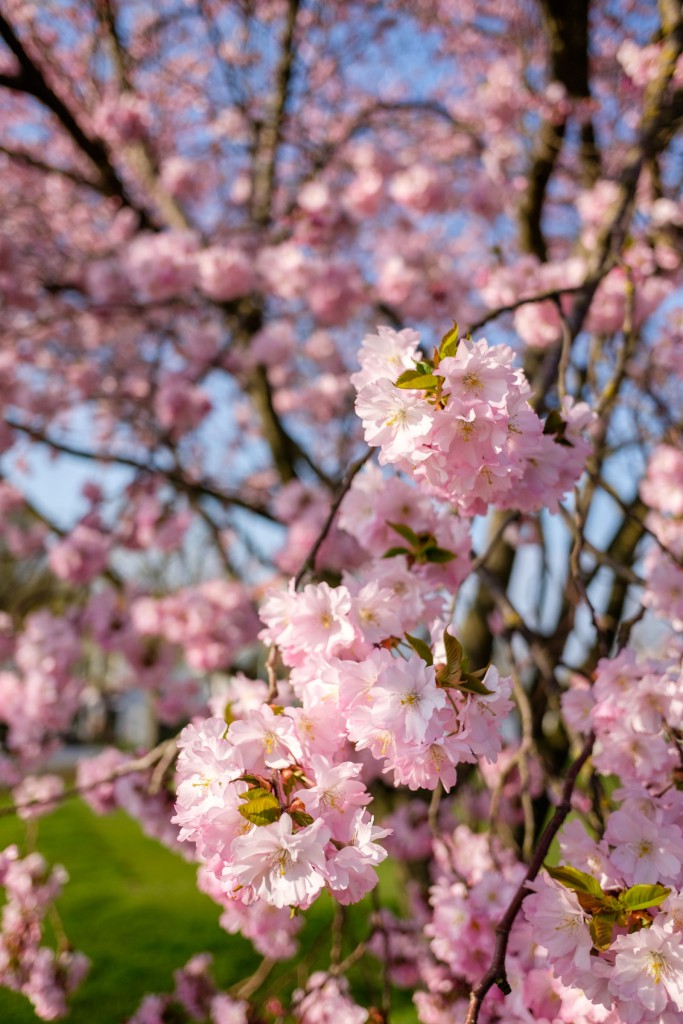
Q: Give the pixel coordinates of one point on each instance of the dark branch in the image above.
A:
(31, 81)
(199, 488)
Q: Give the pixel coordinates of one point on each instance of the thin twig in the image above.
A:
(161, 767)
(272, 675)
(337, 935)
(433, 814)
(139, 764)
(348, 961)
(510, 307)
(482, 559)
(565, 352)
(174, 477)
(246, 988)
(309, 562)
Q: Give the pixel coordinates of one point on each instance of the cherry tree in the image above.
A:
(342, 405)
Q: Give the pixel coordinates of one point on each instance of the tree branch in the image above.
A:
(161, 754)
(32, 81)
(269, 134)
(343, 489)
(566, 23)
(202, 488)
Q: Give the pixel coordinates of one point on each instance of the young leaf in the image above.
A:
(414, 380)
(453, 652)
(301, 818)
(421, 648)
(470, 684)
(404, 531)
(640, 897)
(577, 880)
(263, 810)
(601, 928)
(390, 552)
(597, 904)
(256, 794)
(449, 342)
(438, 555)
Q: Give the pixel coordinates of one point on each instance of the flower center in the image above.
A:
(204, 783)
(330, 798)
(645, 847)
(281, 860)
(399, 417)
(657, 966)
(473, 382)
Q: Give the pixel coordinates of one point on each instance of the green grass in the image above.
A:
(134, 909)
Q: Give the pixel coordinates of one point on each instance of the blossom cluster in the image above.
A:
(662, 489)
(274, 800)
(42, 974)
(195, 998)
(463, 425)
(40, 698)
(635, 708)
(612, 927)
(269, 822)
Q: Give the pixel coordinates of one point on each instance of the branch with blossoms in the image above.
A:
(158, 758)
(496, 974)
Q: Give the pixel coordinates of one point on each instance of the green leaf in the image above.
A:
(260, 809)
(253, 780)
(597, 904)
(391, 552)
(453, 652)
(449, 342)
(577, 880)
(404, 531)
(601, 928)
(256, 794)
(470, 684)
(421, 648)
(438, 555)
(640, 897)
(414, 380)
(301, 818)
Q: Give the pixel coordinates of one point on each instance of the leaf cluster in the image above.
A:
(624, 908)
(422, 547)
(453, 674)
(423, 377)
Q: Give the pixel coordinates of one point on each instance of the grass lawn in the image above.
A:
(134, 909)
